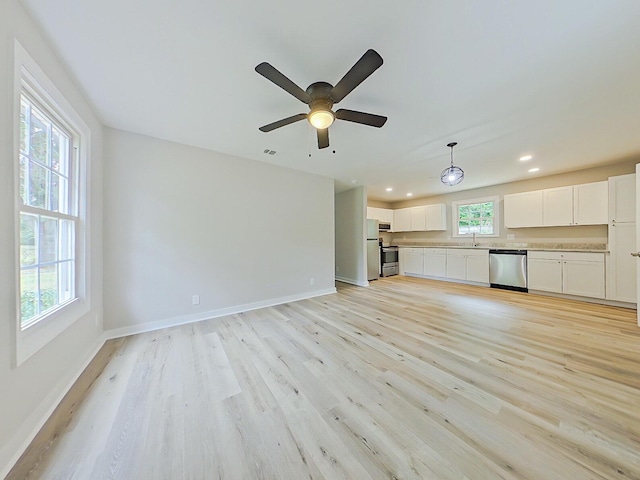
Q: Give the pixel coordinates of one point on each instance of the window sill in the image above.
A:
(35, 336)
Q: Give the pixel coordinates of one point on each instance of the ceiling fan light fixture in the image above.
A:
(321, 118)
(452, 175)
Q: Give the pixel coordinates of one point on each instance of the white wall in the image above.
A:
(181, 221)
(350, 239)
(30, 391)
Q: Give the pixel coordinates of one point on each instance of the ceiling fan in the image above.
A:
(321, 96)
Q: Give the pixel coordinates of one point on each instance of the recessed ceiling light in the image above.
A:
(525, 158)
(409, 194)
(389, 189)
(533, 170)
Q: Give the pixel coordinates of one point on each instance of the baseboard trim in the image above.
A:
(198, 317)
(352, 281)
(30, 428)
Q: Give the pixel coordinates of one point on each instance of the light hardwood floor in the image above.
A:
(407, 379)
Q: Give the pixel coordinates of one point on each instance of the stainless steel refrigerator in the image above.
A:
(373, 250)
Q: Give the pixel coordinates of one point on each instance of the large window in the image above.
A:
(479, 217)
(48, 212)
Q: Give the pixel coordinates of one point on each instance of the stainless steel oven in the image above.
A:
(389, 261)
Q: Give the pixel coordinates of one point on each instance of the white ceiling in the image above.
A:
(557, 79)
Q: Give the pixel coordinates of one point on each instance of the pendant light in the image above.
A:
(452, 175)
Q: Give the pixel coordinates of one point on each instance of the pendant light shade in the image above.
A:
(452, 175)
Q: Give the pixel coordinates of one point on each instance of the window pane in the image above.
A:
(48, 287)
(463, 227)
(66, 275)
(48, 240)
(475, 210)
(487, 209)
(39, 138)
(463, 211)
(37, 185)
(487, 227)
(24, 112)
(67, 240)
(28, 294)
(58, 194)
(474, 226)
(59, 152)
(23, 179)
(28, 229)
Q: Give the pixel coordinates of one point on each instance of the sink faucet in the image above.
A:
(475, 244)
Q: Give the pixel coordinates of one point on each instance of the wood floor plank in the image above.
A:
(407, 379)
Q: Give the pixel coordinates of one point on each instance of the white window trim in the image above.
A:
(496, 216)
(28, 75)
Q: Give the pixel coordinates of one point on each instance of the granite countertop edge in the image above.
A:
(587, 247)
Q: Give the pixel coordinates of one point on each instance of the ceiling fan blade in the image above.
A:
(283, 122)
(271, 73)
(361, 117)
(323, 138)
(368, 63)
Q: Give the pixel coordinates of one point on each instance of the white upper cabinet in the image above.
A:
(402, 220)
(557, 206)
(437, 217)
(585, 204)
(622, 198)
(591, 203)
(418, 218)
(523, 209)
(380, 214)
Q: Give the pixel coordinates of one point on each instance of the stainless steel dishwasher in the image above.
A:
(508, 269)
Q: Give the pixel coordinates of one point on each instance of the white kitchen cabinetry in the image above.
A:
(437, 217)
(622, 198)
(468, 264)
(570, 273)
(402, 220)
(418, 218)
(381, 214)
(585, 204)
(523, 209)
(591, 203)
(621, 267)
(544, 271)
(435, 262)
(557, 204)
(413, 261)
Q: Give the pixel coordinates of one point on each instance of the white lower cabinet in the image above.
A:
(413, 261)
(435, 262)
(583, 277)
(456, 264)
(570, 273)
(468, 264)
(544, 274)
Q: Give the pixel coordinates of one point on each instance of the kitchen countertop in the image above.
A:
(556, 247)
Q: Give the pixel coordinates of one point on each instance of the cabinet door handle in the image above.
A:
(635, 254)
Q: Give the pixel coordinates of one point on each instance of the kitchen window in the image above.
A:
(51, 155)
(479, 217)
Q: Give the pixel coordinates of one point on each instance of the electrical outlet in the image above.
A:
(510, 236)
(195, 300)
(312, 281)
